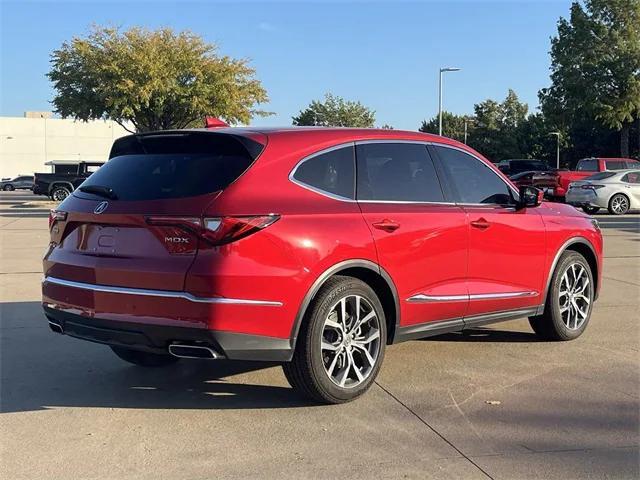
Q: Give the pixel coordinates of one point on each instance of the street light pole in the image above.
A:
(442, 70)
(557, 135)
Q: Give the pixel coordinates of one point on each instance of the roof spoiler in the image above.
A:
(213, 122)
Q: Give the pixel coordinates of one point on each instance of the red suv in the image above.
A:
(312, 247)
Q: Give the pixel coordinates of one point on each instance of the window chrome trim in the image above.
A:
(422, 298)
(355, 143)
(159, 293)
(509, 186)
(319, 191)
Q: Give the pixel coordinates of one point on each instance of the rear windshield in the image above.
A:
(600, 176)
(153, 167)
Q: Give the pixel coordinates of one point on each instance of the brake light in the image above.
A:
(218, 230)
(56, 216)
(592, 187)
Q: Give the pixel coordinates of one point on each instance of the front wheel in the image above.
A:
(8, 188)
(619, 204)
(569, 300)
(590, 210)
(341, 343)
(144, 359)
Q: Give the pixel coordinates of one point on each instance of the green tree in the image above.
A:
(336, 112)
(153, 79)
(497, 128)
(452, 125)
(595, 69)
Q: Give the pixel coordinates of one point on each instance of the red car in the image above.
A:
(308, 246)
(557, 186)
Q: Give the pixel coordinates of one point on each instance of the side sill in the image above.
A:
(430, 329)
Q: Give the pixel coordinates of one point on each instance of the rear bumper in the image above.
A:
(583, 198)
(157, 338)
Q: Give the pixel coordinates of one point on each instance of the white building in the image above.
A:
(27, 143)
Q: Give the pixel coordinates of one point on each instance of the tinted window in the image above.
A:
(600, 176)
(588, 165)
(616, 165)
(397, 172)
(631, 177)
(474, 181)
(331, 172)
(172, 166)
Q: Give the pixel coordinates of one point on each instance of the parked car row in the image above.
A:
(617, 191)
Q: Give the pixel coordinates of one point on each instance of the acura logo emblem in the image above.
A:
(102, 206)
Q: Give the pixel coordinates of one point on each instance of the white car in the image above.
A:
(618, 191)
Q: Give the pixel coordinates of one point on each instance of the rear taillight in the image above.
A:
(592, 187)
(56, 216)
(217, 230)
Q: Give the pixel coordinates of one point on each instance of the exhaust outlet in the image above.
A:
(191, 351)
(55, 327)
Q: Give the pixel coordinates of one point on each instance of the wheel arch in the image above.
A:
(582, 246)
(54, 185)
(369, 272)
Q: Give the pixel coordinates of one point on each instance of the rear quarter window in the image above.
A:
(331, 172)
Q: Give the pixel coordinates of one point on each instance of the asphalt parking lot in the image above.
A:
(497, 403)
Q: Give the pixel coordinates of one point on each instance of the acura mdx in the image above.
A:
(313, 247)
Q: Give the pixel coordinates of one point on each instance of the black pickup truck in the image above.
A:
(59, 186)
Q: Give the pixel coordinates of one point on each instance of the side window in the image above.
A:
(474, 181)
(331, 172)
(616, 165)
(631, 177)
(587, 165)
(397, 172)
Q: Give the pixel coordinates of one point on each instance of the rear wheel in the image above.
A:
(619, 204)
(341, 343)
(8, 188)
(60, 193)
(569, 300)
(590, 210)
(144, 359)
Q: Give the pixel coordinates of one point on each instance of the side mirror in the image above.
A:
(530, 197)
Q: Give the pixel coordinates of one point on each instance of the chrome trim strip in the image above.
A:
(492, 296)
(159, 293)
(421, 298)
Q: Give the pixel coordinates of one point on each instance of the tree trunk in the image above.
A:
(624, 141)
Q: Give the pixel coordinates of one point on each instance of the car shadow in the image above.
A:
(40, 370)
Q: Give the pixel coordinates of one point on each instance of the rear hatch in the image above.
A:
(125, 225)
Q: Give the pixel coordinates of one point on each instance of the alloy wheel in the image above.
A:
(574, 296)
(350, 341)
(619, 204)
(60, 194)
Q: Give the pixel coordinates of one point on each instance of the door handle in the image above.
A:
(386, 225)
(481, 223)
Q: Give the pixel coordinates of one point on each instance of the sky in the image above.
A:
(384, 54)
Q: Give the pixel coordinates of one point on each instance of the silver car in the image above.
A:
(617, 191)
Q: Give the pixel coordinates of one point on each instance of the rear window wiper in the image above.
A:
(100, 190)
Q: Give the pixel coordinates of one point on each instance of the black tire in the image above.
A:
(551, 324)
(8, 188)
(620, 208)
(144, 359)
(306, 372)
(58, 194)
(591, 210)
